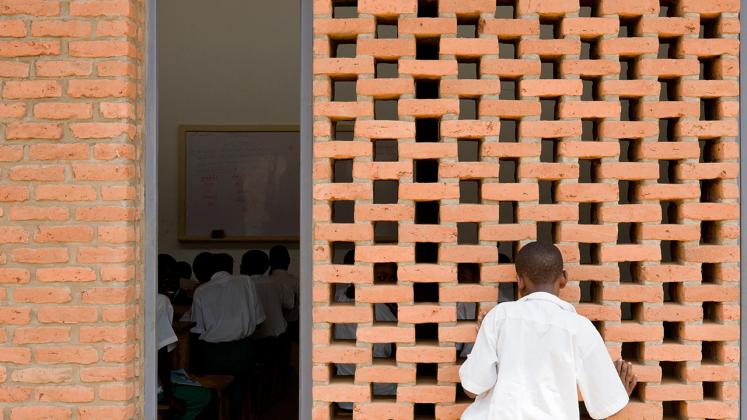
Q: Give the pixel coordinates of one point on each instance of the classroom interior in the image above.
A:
(224, 64)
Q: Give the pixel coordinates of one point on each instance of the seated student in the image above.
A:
(203, 266)
(530, 355)
(279, 263)
(186, 282)
(187, 402)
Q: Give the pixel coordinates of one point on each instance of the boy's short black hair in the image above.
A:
(224, 262)
(279, 258)
(254, 262)
(204, 266)
(539, 263)
(184, 269)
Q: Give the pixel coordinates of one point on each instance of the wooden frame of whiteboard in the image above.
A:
(183, 130)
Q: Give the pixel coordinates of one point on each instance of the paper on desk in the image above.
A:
(180, 377)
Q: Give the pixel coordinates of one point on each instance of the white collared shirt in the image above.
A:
(226, 309)
(284, 277)
(165, 335)
(275, 297)
(529, 357)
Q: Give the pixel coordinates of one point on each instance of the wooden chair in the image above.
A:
(218, 383)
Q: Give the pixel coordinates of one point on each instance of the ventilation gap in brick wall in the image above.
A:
(425, 292)
(672, 409)
(343, 253)
(509, 131)
(469, 191)
(385, 313)
(667, 129)
(669, 212)
(342, 170)
(588, 213)
(427, 212)
(709, 232)
(628, 26)
(630, 311)
(467, 27)
(667, 174)
(589, 8)
(387, 69)
(427, 88)
(466, 311)
(708, 190)
(507, 212)
(343, 90)
(711, 311)
(508, 91)
(507, 49)
(707, 151)
(708, 27)
(708, 273)
(426, 332)
(627, 192)
(338, 411)
(427, 130)
(344, 333)
(590, 90)
(627, 233)
(385, 273)
(546, 191)
(386, 28)
(507, 251)
(670, 251)
(468, 273)
(385, 109)
(549, 28)
(589, 129)
(710, 351)
(386, 192)
(668, 48)
(428, 8)
(385, 353)
(628, 271)
(343, 294)
(546, 232)
(549, 109)
(342, 48)
(598, 326)
(426, 49)
(670, 292)
(667, 8)
(507, 292)
(424, 410)
(671, 331)
(627, 68)
(711, 390)
(468, 150)
(344, 9)
(548, 69)
(425, 170)
(426, 252)
(631, 351)
(507, 171)
(589, 49)
(468, 68)
(343, 372)
(385, 151)
(505, 9)
(589, 253)
(591, 291)
(587, 170)
(426, 372)
(468, 108)
(668, 89)
(383, 391)
(627, 150)
(467, 233)
(629, 109)
(548, 151)
(708, 109)
(671, 371)
(707, 68)
(385, 232)
(343, 211)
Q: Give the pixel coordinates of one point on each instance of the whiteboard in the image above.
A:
(239, 183)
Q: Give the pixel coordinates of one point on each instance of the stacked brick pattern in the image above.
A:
(606, 127)
(70, 129)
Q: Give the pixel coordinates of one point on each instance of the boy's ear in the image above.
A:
(520, 282)
(563, 279)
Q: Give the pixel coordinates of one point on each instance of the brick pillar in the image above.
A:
(607, 127)
(70, 204)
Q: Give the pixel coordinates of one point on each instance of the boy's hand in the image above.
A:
(625, 370)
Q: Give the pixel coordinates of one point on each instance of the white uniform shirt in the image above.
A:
(528, 359)
(165, 335)
(275, 297)
(226, 309)
(283, 277)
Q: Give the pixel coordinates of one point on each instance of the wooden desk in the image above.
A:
(219, 383)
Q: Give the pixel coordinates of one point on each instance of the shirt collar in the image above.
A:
(220, 277)
(549, 297)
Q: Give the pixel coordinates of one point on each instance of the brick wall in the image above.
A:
(449, 132)
(70, 124)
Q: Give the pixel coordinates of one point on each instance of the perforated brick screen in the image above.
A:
(449, 133)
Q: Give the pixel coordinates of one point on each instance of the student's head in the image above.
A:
(168, 277)
(184, 270)
(385, 273)
(254, 262)
(224, 262)
(279, 258)
(539, 267)
(204, 266)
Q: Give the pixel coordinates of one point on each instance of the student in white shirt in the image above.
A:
(530, 355)
(279, 263)
(275, 296)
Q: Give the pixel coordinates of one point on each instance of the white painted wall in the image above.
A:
(229, 62)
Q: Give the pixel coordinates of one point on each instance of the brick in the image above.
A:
(37, 173)
(15, 315)
(71, 354)
(41, 335)
(63, 68)
(13, 29)
(29, 48)
(15, 355)
(63, 111)
(67, 314)
(100, 89)
(60, 28)
(33, 131)
(103, 172)
(31, 89)
(70, 394)
(37, 412)
(42, 295)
